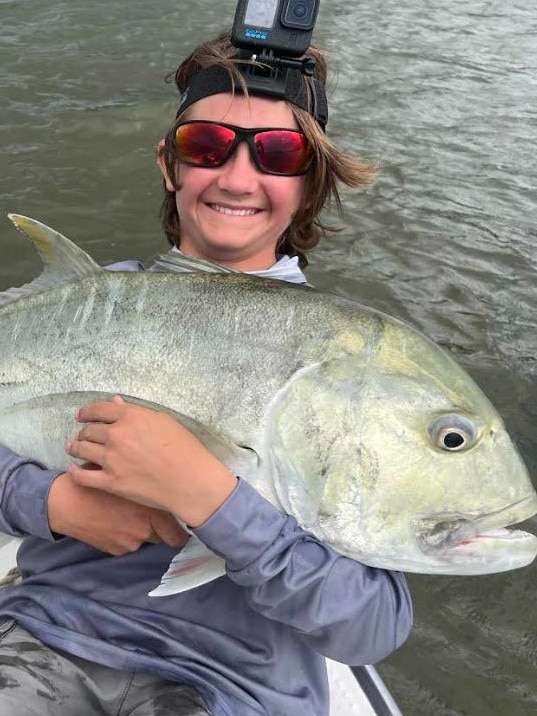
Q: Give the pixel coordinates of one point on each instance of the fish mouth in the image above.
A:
(444, 533)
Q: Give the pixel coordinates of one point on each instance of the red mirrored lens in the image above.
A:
(282, 152)
(276, 151)
(204, 145)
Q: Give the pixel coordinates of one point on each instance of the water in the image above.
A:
(444, 95)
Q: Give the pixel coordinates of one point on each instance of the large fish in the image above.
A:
(365, 431)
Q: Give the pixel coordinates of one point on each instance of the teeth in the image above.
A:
(233, 212)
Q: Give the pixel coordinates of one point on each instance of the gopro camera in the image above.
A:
(284, 27)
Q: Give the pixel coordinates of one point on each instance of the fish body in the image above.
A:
(364, 430)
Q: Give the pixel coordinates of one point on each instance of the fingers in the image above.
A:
(92, 477)
(87, 451)
(94, 433)
(102, 412)
(98, 417)
(167, 529)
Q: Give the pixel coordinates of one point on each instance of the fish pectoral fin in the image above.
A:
(64, 262)
(240, 459)
(193, 566)
(173, 262)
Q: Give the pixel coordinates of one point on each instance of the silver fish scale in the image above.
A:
(218, 348)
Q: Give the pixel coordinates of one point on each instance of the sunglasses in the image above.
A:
(284, 152)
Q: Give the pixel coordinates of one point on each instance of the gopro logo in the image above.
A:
(255, 34)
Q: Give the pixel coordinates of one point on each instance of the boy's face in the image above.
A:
(235, 214)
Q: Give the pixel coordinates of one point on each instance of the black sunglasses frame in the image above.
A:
(248, 136)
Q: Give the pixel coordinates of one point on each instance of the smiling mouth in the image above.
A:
(228, 211)
(444, 532)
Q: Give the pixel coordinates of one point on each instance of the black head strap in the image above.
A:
(290, 84)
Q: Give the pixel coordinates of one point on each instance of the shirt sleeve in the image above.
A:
(343, 609)
(24, 488)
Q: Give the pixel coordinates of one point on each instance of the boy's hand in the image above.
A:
(106, 522)
(148, 457)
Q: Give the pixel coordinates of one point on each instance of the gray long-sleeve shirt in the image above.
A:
(252, 642)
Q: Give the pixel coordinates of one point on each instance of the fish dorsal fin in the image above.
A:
(175, 262)
(63, 261)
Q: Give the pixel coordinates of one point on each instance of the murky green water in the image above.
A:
(444, 93)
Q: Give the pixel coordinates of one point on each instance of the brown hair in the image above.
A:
(329, 167)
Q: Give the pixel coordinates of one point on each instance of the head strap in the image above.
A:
(290, 84)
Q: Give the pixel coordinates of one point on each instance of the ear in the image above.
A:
(162, 166)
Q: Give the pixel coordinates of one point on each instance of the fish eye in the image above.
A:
(453, 433)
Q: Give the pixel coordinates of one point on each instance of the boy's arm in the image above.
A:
(24, 490)
(343, 609)
(49, 505)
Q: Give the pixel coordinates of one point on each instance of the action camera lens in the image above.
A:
(299, 14)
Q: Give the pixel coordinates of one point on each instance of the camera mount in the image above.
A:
(272, 75)
(306, 65)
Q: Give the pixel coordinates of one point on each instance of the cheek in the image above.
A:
(287, 193)
(191, 182)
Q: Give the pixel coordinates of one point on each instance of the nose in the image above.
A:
(239, 175)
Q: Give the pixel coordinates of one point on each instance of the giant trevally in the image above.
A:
(365, 431)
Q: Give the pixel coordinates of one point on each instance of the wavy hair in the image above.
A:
(330, 165)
